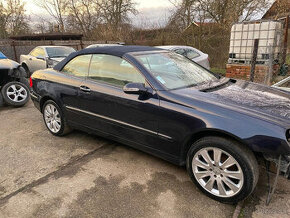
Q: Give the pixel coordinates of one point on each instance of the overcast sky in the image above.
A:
(151, 12)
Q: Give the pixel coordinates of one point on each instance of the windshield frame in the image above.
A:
(135, 54)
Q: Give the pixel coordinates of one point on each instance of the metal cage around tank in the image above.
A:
(243, 35)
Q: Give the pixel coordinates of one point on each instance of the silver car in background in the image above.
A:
(104, 45)
(42, 57)
(283, 84)
(189, 52)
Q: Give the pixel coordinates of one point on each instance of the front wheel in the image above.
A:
(223, 169)
(54, 119)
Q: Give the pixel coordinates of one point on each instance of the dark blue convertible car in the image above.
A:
(165, 104)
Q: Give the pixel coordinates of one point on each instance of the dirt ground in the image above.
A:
(82, 175)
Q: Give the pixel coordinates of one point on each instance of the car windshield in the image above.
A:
(174, 71)
(54, 52)
(2, 56)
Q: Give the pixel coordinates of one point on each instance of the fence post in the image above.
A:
(81, 44)
(284, 53)
(269, 75)
(14, 50)
(254, 58)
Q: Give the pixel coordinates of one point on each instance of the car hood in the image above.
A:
(8, 64)
(253, 99)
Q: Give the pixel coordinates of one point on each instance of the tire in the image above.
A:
(25, 82)
(218, 179)
(54, 119)
(15, 94)
(1, 100)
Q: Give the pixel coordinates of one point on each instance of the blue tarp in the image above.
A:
(2, 56)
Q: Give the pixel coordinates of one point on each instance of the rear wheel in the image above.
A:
(1, 100)
(223, 169)
(54, 119)
(15, 94)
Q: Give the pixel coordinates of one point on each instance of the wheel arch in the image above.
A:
(25, 66)
(45, 99)
(208, 132)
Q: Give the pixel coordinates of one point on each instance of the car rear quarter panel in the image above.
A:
(56, 86)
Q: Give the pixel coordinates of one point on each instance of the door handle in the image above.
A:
(30, 59)
(85, 89)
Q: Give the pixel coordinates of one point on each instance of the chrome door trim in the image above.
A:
(118, 121)
(164, 136)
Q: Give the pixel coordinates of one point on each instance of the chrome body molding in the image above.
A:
(118, 121)
(33, 95)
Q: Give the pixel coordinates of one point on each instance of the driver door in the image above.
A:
(108, 109)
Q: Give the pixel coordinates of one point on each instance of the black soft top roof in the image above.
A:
(119, 51)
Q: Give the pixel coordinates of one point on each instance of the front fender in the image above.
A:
(257, 135)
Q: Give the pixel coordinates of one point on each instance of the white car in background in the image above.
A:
(42, 57)
(103, 45)
(283, 84)
(189, 52)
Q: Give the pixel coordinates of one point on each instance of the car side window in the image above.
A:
(191, 54)
(113, 70)
(180, 51)
(78, 66)
(286, 84)
(37, 52)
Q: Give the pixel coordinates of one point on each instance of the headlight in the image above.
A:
(51, 63)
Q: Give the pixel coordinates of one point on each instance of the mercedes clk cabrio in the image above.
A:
(165, 104)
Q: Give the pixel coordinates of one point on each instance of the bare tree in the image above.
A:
(83, 14)
(227, 12)
(3, 20)
(224, 12)
(184, 12)
(56, 9)
(17, 20)
(116, 12)
(13, 20)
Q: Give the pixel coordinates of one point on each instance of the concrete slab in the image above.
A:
(255, 206)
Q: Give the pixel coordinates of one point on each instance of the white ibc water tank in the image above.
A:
(243, 36)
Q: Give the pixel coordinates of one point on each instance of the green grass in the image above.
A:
(219, 71)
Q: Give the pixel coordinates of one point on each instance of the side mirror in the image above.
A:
(40, 57)
(135, 88)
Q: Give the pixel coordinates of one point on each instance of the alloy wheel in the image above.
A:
(52, 118)
(16, 93)
(217, 172)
